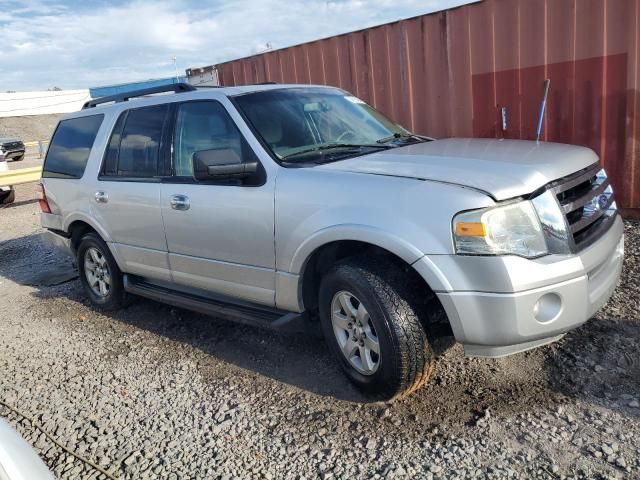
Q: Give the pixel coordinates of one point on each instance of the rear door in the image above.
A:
(127, 194)
(220, 235)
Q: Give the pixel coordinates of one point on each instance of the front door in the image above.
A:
(220, 235)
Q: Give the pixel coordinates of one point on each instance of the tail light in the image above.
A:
(42, 199)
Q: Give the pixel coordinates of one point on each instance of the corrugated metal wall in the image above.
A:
(449, 73)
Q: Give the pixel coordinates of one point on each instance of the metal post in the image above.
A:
(543, 104)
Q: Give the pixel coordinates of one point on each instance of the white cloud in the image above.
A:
(43, 44)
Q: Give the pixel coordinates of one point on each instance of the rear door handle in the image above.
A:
(101, 197)
(180, 202)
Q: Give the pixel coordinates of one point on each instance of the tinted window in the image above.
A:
(111, 157)
(134, 148)
(70, 147)
(206, 126)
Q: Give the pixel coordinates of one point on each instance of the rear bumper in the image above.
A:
(529, 302)
(59, 241)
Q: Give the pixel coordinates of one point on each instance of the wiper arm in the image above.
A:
(331, 146)
(403, 136)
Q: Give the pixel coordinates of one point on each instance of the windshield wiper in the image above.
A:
(331, 146)
(403, 136)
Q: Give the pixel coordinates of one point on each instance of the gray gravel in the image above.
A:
(155, 392)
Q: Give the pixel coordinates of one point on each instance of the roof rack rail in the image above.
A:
(123, 97)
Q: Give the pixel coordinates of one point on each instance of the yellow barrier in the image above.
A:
(35, 144)
(17, 177)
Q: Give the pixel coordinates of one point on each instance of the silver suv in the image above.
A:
(270, 203)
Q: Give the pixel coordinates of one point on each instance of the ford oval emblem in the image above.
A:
(602, 201)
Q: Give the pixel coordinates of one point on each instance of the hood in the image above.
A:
(502, 168)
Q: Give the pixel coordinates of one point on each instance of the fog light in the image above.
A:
(547, 308)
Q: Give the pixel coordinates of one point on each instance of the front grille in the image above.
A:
(586, 199)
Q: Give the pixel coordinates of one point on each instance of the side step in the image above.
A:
(247, 314)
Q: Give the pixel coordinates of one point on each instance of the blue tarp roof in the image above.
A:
(98, 92)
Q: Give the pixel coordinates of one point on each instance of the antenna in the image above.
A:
(175, 67)
(543, 104)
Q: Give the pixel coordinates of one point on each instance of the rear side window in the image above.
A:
(135, 144)
(70, 147)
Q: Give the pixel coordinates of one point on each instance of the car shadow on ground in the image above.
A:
(459, 393)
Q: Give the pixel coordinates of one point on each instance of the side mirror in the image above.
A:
(220, 164)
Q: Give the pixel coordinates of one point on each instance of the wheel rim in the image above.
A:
(355, 333)
(96, 270)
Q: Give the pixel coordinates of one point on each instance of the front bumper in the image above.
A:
(13, 154)
(503, 305)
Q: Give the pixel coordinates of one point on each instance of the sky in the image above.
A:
(87, 43)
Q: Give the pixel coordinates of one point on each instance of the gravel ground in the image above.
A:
(156, 392)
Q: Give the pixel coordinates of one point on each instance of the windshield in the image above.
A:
(303, 124)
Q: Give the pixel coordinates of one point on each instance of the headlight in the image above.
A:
(512, 229)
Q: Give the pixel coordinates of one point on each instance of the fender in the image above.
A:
(363, 233)
(80, 216)
(289, 285)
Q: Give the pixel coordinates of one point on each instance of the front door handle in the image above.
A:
(101, 197)
(180, 202)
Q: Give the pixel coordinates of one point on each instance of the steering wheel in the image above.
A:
(344, 134)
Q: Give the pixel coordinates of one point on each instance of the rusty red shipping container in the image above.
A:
(449, 74)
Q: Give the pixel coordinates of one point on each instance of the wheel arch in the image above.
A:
(80, 227)
(357, 233)
(325, 256)
(76, 220)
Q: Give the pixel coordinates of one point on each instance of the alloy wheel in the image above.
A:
(96, 270)
(355, 332)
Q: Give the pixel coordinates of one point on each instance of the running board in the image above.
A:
(257, 316)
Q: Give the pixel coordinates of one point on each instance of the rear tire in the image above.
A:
(99, 274)
(377, 291)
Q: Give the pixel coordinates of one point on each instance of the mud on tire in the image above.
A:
(406, 360)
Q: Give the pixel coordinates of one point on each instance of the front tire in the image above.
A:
(373, 329)
(99, 274)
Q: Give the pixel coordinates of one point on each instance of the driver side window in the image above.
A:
(204, 126)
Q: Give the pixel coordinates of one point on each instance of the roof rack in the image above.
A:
(123, 97)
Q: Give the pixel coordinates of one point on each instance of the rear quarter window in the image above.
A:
(70, 147)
